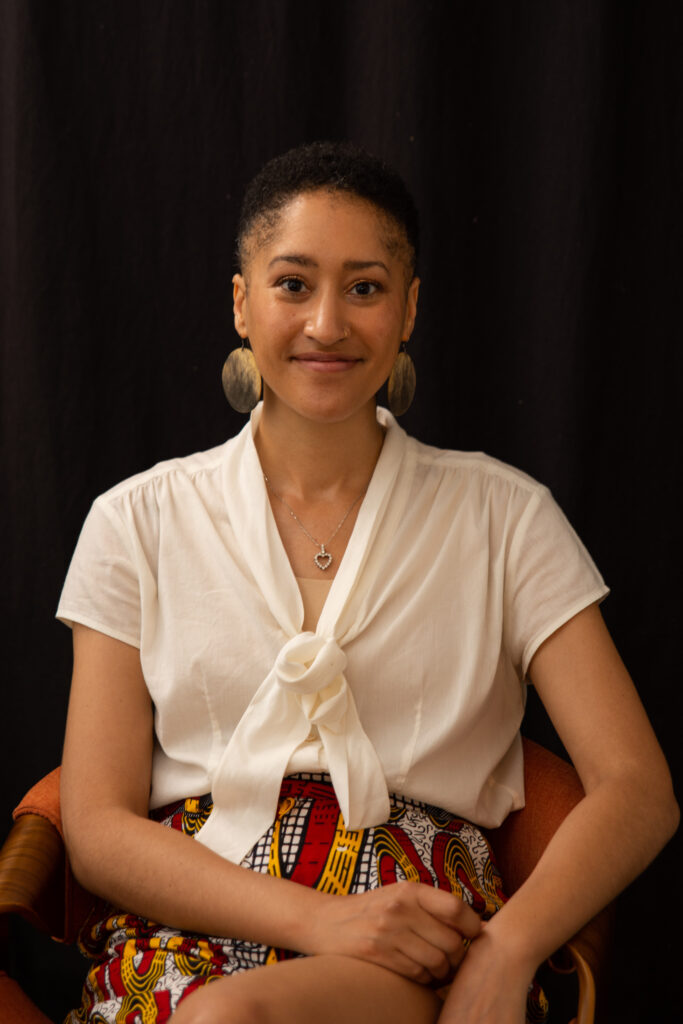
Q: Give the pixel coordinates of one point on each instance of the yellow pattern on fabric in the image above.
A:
(204, 949)
(386, 845)
(537, 1010)
(98, 995)
(143, 1004)
(194, 816)
(192, 965)
(340, 865)
(438, 817)
(457, 855)
(492, 884)
(138, 983)
(274, 862)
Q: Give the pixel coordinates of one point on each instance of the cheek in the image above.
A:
(275, 319)
(389, 331)
(271, 337)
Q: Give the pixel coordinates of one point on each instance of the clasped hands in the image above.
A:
(424, 934)
(410, 928)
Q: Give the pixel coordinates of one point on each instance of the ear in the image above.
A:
(239, 298)
(411, 308)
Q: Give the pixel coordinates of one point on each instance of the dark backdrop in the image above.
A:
(544, 144)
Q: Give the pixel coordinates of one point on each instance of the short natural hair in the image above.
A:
(335, 167)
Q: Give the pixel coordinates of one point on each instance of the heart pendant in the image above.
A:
(323, 559)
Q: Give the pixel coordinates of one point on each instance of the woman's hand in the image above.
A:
(409, 928)
(491, 986)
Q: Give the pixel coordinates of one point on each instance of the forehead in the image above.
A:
(330, 222)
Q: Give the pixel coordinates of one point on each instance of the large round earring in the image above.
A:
(401, 387)
(241, 379)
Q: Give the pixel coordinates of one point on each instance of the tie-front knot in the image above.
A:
(305, 690)
(308, 663)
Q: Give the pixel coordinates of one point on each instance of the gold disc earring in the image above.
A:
(401, 387)
(241, 379)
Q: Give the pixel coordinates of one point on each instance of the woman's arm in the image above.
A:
(157, 872)
(627, 815)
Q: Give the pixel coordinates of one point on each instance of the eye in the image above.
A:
(365, 288)
(291, 285)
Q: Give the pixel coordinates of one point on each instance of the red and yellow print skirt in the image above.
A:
(140, 970)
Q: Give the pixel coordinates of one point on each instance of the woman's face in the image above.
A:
(325, 305)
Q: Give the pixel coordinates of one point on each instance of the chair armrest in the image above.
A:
(36, 880)
(32, 870)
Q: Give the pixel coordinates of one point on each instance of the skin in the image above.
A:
(324, 346)
(325, 305)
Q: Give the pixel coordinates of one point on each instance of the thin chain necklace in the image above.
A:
(323, 559)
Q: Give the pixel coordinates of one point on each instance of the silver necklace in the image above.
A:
(323, 559)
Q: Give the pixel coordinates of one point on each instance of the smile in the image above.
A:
(325, 362)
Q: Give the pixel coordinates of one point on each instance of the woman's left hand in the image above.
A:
(490, 986)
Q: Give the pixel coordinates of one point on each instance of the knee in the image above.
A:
(231, 1005)
(248, 1008)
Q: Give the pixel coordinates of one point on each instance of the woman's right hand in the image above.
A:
(410, 928)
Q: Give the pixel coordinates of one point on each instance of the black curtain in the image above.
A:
(544, 144)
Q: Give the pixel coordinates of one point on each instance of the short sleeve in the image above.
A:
(102, 587)
(550, 577)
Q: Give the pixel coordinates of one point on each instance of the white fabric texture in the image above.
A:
(457, 569)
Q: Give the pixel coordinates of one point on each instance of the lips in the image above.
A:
(325, 357)
(326, 361)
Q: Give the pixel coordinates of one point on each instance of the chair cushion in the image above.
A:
(43, 799)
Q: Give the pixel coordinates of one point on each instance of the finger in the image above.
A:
(411, 905)
(458, 955)
(443, 937)
(404, 929)
(450, 909)
(423, 961)
(435, 946)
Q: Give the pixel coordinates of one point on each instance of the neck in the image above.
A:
(308, 461)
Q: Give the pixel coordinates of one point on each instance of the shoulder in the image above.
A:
(199, 470)
(475, 471)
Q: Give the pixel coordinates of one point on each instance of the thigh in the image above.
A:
(308, 990)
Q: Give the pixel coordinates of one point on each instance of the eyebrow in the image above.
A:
(306, 261)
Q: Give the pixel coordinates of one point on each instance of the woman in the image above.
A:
(324, 595)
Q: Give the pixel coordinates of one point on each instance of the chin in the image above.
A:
(331, 409)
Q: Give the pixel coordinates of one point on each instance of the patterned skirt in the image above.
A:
(141, 970)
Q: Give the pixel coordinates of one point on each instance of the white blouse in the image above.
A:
(457, 569)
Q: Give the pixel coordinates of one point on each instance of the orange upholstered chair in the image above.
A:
(36, 881)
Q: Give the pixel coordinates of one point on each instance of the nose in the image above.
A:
(326, 320)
